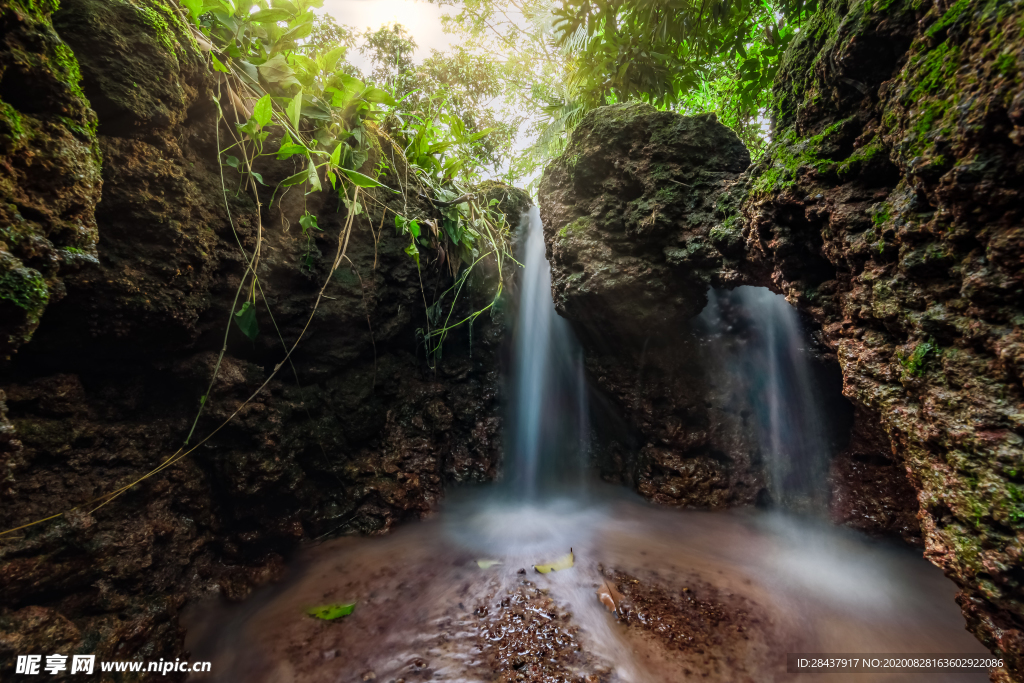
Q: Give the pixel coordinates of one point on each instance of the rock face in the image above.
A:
(628, 211)
(355, 433)
(50, 174)
(887, 210)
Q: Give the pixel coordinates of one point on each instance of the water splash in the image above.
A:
(549, 435)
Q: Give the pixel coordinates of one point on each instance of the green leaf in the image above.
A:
(247, 70)
(276, 70)
(376, 95)
(331, 59)
(412, 251)
(290, 149)
(296, 179)
(233, 162)
(414, 228)
(363, 181)
(298, 32)
(271, 15)
(348, 83)
(211, 5)
(295, 111)
(246, 320)
(226, 19)
(308, 222)
(258, 177)
(194, 7)
(263, 111)
(314, 178)
(331, 612)
(285, 5)
(218, 66)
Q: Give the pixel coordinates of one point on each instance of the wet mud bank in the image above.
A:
(720, 597)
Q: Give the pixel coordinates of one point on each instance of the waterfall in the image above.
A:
(775, 365)
(548, 439)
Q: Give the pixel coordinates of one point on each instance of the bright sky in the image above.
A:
(421, 19)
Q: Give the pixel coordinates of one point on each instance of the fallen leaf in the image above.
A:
(487, 564)
(564, 562)
(330, 612)
(610, 596)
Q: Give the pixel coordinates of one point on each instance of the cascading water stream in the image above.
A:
(548, 411)
(775, 364)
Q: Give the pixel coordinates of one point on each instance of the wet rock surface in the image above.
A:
(706, 627)
(355, 433)
(526, 636)
(888, 210)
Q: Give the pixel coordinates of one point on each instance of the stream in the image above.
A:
(650, 594)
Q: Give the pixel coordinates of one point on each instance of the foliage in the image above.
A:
(390, 49)
(560, 60)
(296, 99)
(660, 50)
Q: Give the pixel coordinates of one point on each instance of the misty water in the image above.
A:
(456, 597)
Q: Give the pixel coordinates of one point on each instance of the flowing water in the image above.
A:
(548, 390)
(775, 363)
(698, 596)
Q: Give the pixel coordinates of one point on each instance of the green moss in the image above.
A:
(881, 216)
(667, 195)
(860, 159)
(25, 288)
(1006, 64)
(936, 70)
(11, 126)
(66, 68)
(968, 548)
(1015, 494)
(873, 6)
(727, 237)
(37, 8)
(952, 15)
(581, 224)
(790, 153)
(167, 26)
(914, 363)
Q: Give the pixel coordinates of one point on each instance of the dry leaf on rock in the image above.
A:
(610, 596)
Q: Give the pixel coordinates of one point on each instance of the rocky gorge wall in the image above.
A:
(887, 210)
(120, 258)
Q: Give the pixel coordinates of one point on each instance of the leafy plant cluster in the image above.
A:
(296, 100)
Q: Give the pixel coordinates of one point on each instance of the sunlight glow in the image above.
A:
(421, 19)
